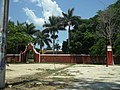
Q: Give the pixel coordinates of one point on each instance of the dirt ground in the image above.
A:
(18, 70)
(62, 77)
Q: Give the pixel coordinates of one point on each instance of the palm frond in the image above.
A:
(65, 15)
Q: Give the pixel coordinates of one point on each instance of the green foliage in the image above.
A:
(99, 48)
(75, 42)
(20, 34)
(17, 38)
(48, 48)
(65, 46)
(42, 39)
(52, 27)
(37, 49)
(85, 39)
(88, 36)
(57, 46)
(109, 26)
(70, 20)
(117, 45)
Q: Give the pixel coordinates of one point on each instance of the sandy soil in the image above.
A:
(18, 70)
(62, 77)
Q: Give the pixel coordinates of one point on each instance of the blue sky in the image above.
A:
(36, 11)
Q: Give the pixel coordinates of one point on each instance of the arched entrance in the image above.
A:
(30, 56)
(30, 53)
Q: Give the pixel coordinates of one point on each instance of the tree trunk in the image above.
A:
(110, 41)
(69, 38)
(53, 45)
(40, 50)
(41, 47)
(53, 42)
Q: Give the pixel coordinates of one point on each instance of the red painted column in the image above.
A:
(109, 55)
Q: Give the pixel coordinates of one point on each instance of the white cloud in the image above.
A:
(32, 18)
(9, 18)
(49, 8)
(15, 0)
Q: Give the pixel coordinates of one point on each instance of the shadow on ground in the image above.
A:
(76, 84)
(82, 84)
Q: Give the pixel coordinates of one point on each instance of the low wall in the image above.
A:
(66, 58)
(117, 60)
(78, 59)
(13, 58)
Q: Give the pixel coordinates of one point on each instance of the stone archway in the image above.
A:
(30, 47)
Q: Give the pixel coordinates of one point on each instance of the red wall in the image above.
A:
(13, 58)
(66, 58)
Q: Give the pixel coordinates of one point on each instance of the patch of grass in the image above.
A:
(40, 69)
(63, 73)
(9, 70)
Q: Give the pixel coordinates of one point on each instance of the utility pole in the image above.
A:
(4, 5)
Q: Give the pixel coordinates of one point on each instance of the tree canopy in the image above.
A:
(17, 37)
(88, 36)
(92, 35)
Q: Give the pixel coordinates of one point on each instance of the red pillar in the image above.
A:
(109, 55)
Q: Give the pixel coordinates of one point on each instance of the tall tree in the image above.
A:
(107, 24)
(52, 27)
(41, 39)
(116, 45)
(70, 20)
(108, 28)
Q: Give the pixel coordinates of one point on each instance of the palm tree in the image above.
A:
(30, 28)
(69, 20)
(42, 39)
(19, 26)
(52, 27)
(25, 29)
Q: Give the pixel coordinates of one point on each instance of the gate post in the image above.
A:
(109, 55)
